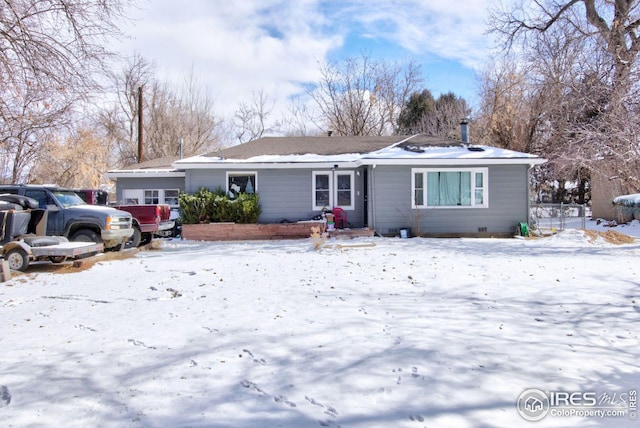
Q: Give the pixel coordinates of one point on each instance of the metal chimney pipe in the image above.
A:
(464, 130)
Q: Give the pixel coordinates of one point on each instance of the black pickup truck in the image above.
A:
(69, 216)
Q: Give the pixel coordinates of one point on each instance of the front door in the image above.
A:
(365, 194)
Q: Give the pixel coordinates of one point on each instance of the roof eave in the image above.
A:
(271, 165)
(226, 164)
(137, 173)
(455, 161)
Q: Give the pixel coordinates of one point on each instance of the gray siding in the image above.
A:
(285, 194)
(391, 210)
(208, 178)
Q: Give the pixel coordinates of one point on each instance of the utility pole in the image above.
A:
(140, 127)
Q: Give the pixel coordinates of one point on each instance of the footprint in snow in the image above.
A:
(282, 399)
(5, 396)
(255, 360)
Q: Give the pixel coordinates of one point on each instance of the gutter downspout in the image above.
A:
(372, 198)
(529, 219)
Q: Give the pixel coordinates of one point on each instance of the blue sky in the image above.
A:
(237, 47)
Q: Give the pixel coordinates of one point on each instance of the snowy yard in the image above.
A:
(406, 333)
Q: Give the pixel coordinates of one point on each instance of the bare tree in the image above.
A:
(298, 119)
(171, 116)
(360, 96)
(582, 62)
(28, 119)
(185, 116)
(506, 109)
(76, 160)
(251, 119)
(50, 55)
(120, 118)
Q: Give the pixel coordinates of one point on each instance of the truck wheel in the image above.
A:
(86, 235)
(17, 258)
(135, 238)
(146, 238)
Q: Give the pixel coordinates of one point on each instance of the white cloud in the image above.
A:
(451, 29)
(242, 46)
(239, 47)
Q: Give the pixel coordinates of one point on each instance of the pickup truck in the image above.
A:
(148, 220)
(69, 216)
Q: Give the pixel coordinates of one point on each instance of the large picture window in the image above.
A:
(449, 188)
(333, 189)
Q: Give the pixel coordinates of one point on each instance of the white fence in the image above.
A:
(557, 217)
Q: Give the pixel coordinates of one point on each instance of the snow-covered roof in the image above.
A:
(160, 168)
(293, 152)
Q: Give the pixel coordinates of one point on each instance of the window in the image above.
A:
(132, 196)
(151, 197)
(321, 190)
(344, 190)
(333, 188)
(242, 182)
(171, 196)
(465, 188)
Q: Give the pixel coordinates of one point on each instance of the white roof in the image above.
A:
(392, 155)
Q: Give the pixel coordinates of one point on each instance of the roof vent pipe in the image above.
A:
(464, 130)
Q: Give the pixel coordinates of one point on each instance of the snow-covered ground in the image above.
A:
(376, 332)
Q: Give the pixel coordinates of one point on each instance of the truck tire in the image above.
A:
(57, 259)
(86, 235)
(147, 237)
(135, 238)
(17, 259)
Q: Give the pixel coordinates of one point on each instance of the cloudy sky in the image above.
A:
(241, 46)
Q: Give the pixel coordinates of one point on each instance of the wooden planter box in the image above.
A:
(240, 232)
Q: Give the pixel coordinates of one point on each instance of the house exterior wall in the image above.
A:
(390, 204)
(285, 194)
(147, 183)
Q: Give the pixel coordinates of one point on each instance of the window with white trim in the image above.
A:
(333, 189)
(344, 190)
(242, 182)
(322, 185)
(152, 197)
(171, 197)
(449, 188)
(132, 196)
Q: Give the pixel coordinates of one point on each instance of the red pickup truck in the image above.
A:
(148, 220)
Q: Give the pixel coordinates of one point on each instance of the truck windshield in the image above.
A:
(68, 199)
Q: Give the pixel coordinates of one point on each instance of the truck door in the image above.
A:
(54, 212)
